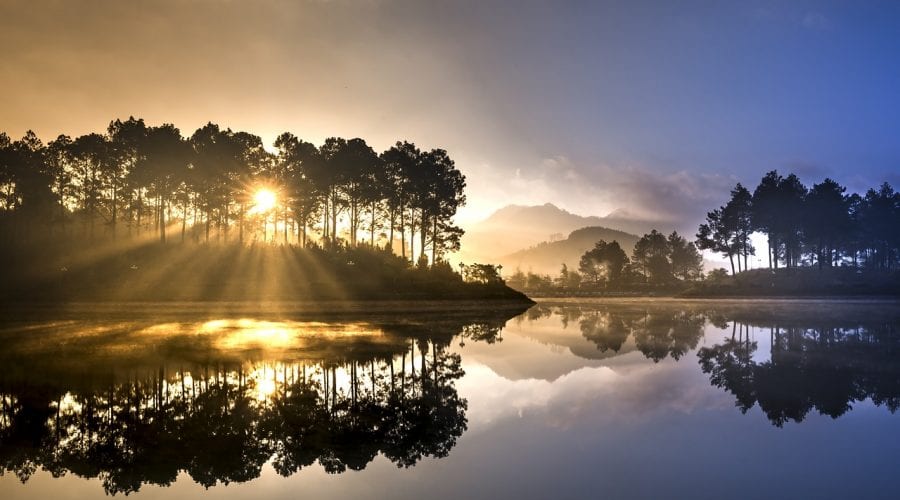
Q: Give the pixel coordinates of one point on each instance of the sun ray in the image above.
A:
(264, 201)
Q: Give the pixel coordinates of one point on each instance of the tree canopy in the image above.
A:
(148, 180)
(822, 225)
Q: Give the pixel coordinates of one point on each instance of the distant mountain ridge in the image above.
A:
(548, 257)
(513, 228)
(538, 216)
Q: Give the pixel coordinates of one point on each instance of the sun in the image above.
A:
(263, 200)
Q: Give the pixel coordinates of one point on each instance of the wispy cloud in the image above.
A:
(677, 197)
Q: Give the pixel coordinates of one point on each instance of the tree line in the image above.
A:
(656, 260)
(821, 225)
(136, 179)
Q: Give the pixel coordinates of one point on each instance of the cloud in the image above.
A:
(635, 390)
(679, 198)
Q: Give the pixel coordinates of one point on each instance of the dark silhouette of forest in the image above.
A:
(106, 213)
(820, 226)
(114, 410)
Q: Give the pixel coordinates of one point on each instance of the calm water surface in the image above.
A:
(569, 399)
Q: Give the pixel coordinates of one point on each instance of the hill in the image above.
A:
(515, 227)
(226, 273)
(547, 257)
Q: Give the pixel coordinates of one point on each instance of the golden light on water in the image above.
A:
(265, 387)
(264, 200)
(251, 333)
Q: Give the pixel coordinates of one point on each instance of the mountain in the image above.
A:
(547, 257)
(515, 227)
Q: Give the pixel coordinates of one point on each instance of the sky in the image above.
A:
(652, 108)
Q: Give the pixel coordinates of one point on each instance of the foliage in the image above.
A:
(151, 179)
(603, 264)
(822, 225)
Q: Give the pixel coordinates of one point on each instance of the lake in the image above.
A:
(568, 399)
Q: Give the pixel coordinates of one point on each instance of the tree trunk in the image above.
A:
(402, 234)
(241, 223)
(161, 218)
(372, 228)
(774, 255)
(434, 241)
(333, 216)
(391, 230)
(303, 228)
(423, 231)
(412, 235)
(115, 204)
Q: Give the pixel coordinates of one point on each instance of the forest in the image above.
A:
(820, 226)
(220, 185)
(121, 215)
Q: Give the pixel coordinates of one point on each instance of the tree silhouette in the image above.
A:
(765, 212)
(827, 220)
(686, 261)
(604, 263)
(651, 257)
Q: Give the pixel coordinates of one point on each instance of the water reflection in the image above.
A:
(132, 403)
(657, 332)
(824, 368)
(139, 397)
(821, 356)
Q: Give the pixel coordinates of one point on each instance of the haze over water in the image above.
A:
(573, 398)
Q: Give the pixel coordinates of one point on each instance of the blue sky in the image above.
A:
(656, 108)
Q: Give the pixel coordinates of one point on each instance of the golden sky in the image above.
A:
(657, 109)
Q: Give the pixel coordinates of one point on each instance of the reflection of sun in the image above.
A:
(263, 200)
(265, 387)
(246, 333)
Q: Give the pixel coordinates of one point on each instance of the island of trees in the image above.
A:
(143, 207)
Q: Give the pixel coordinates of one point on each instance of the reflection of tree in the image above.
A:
(607, 331)
(661, 335)
(220, 419)
(658, 333)
(729, 367)
(826, 369)
(225, 411)
(210, 422)
(482, 332)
